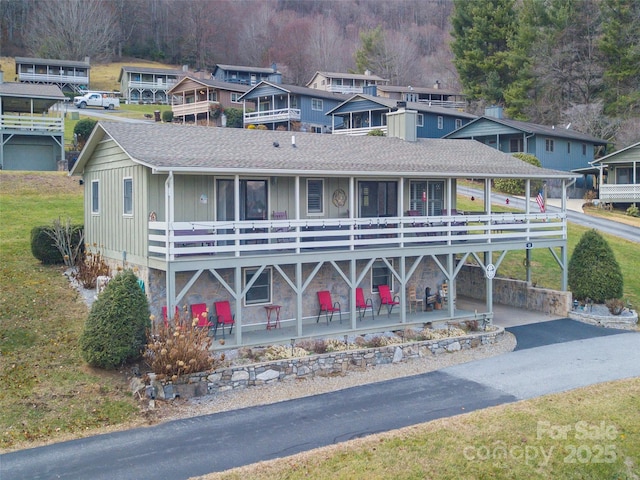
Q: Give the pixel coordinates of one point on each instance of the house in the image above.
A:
(264, 218)
(31, 126)
(619, 174)
(148, 85)
(557, 148)
(363, 113)
(436, 96)
(205, 99)
(289, 107)
(344, 83)
(67, 75)
(246, 75)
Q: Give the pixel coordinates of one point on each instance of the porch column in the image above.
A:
(237, 293)
(489, 284)
(299, 294)
(527, 252)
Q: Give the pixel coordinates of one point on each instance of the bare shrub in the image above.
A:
(90, 268)
(179, 349)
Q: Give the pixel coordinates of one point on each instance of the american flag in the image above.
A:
(540, 201)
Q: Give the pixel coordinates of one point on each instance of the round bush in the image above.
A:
(43, 246)
(167, 116)
(514, 186)
(234, 117)
(116, 329)
(593, 271)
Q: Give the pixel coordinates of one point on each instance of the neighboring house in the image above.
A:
(363, 113)
(345, 83)
(270, 218)
(148, 85)
(436, 96)
(619, 174)
(558, 148)
(67, 75)
(31, 129)
(246, 75)
(200, 99)
(289, 107)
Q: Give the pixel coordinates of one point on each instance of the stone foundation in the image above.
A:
(328, 364)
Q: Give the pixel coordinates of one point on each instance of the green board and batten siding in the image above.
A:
(126, 235)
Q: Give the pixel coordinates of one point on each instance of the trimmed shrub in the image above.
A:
(43, 245)
(234, 117)
(167, 116)
(376, 132)
(83, 130)
(593, 270)
(514, 186)
(116, 330)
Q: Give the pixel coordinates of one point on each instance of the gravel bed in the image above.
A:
(290, 389)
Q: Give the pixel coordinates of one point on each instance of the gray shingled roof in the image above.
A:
(242, 68)
(31, 90)
(211, 82)
(51, 62)
(296, 90)
(166, 147)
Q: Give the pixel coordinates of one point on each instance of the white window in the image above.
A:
(127, 196)
(381, 275)
(315, 200)
(440, 122)
(548, 145)
(95, 197)
(260, 291)
(235, 97)
(316, 104)
(420, 120)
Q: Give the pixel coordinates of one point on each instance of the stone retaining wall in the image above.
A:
(611, 321)
(515, 293)
(328, 364)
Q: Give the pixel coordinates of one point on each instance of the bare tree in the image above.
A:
(72, 30)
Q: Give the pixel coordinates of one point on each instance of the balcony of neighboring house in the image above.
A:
(457, 104)
(186, 240)
(193, 108)
(360, 123)
(276, 115)
(359, 131)
(623, 193)
(76, 78)
(23, 123)
(153, 85)
(344, 89)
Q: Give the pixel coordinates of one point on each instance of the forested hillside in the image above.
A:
(545, 61)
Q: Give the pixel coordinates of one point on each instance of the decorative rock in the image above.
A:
(397, 355)
(268, 375)
(454, 347)
(239, 376)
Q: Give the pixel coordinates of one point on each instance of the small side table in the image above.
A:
(270, 309)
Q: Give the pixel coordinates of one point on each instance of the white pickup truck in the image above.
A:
(96, 99)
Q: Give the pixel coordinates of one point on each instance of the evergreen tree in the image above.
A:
(482, 32)
(620, 45)
(593, 270)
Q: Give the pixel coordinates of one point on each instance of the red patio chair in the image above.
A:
(362, 305)
(223, 317)
(199, 311)
(387, 298)
(327, 306)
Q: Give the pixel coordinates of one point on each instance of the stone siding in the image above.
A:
(328, 364)
(515, 293)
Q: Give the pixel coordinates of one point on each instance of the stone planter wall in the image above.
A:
(627, 321)
(515, 293)
(328, 364)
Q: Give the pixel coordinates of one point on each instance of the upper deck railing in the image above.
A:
(181, 240)
(277, 115)
(31, 123)
(192, 108)
(359, 131)
(152, 85)
(53, 78)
